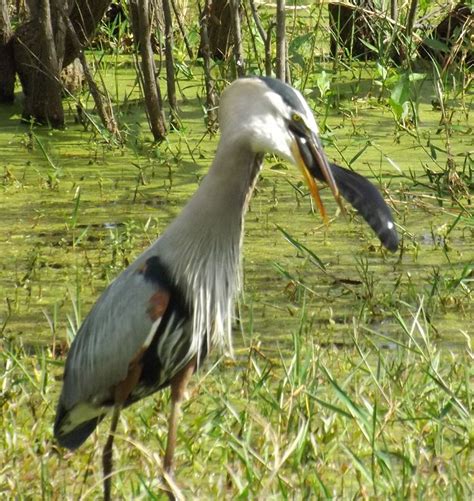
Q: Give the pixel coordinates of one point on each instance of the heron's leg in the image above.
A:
(107, 460)
(178, 389)
(122, 391)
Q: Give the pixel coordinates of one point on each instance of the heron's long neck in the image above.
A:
(213, 216)
(221, 200)
(202, 245)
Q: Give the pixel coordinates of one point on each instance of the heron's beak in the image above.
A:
(356, 189)
(312, 161)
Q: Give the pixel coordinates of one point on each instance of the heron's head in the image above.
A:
(274, 118)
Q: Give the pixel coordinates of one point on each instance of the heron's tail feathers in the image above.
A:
(73, 426)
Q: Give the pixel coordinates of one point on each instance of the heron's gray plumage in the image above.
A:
(170, 307)
(201, 253)
(95, 363)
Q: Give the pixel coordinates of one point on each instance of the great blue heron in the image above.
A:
(157, 321)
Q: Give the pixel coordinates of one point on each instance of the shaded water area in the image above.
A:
(75, 211)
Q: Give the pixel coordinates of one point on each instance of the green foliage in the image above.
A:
(400, 101)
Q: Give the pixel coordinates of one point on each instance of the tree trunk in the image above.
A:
(219, 29)
(268, 50)
(406, 49)
(411, 18)
(7, 66)
(170, 80)
(85, 17)
(237, 32)
(43, 99)
(41, 48)
(265, 36)
(104, 108)
(211, 115)
(72, 78)
(394, 10)
(281, 41)
(151, 90)
(182, 28)
(31, 8)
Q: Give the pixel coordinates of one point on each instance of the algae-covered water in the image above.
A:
(75, 210)
(336, 362)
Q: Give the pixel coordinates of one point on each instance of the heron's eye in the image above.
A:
(297, 125)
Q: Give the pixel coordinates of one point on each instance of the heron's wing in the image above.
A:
(105, 358)
(117, 330)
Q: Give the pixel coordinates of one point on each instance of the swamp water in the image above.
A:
(75, 211)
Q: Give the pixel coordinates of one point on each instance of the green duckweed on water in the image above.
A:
(348, 381)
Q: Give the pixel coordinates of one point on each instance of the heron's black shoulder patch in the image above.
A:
(286, 92)
(155, 271)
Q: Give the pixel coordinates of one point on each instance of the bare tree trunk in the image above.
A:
(43, 100)
(7, 67)
(219, 29)
(41, 49)
(265, 36)
(182, 29)
(268, 50)
(411, 18)
(71, 75)
(170, 81)
(30, 8)
(151, 89)
(394, 10)
(281, 41)
(410, 22)
(237, 32)
(61, 31)
(211, 118)
(104, 108)
(85, 16)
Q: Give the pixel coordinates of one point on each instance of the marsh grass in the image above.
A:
(379, 418)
